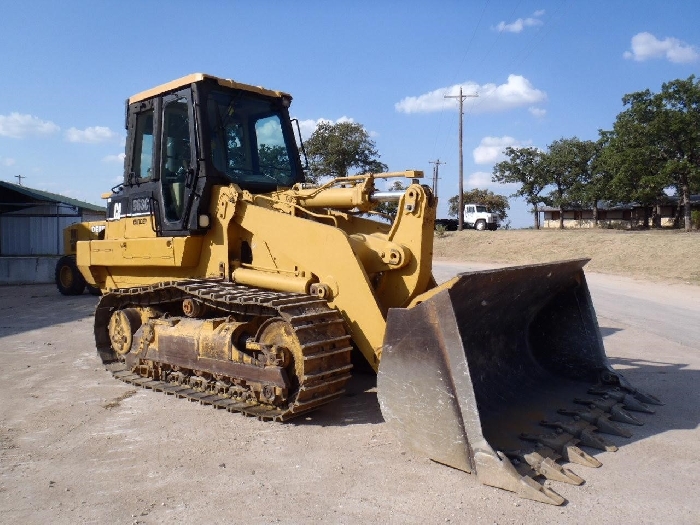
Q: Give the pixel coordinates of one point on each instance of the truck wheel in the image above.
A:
(480, 225)
(69, 280)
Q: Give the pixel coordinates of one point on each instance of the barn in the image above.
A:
(31, 231)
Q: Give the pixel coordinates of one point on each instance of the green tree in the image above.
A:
(497, 204)
(633, 159)
(334, 149)
(527, 167)
(655, 145)
(680, 117)
(592, 186)
(568, 163)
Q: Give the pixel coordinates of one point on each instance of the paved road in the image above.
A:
(670, 311)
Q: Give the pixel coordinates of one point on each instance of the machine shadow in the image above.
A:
(359, 405)
(673, 383)
(606, 331)
(33, 306)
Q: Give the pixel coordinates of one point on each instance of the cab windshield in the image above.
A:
(248, 142)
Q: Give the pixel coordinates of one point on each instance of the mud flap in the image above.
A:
(476, 364)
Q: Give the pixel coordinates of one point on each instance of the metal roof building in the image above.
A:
(32, 221)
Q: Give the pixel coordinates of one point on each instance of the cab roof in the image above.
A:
(199, 77)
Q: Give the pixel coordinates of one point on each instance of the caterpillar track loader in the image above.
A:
(229, 280)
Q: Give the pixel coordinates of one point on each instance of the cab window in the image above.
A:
(176, 157)
(248, 144)
(142, 162)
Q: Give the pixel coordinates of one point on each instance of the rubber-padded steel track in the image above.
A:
(319, 329)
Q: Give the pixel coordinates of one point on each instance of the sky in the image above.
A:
(542, 70)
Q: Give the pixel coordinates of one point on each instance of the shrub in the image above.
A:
(695, 219)
(440, 230)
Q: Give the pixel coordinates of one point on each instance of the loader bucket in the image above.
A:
(471, 369)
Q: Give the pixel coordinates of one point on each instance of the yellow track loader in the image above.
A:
(227, 279)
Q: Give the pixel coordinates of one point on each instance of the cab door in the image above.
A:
(177, 167)
(469, 214)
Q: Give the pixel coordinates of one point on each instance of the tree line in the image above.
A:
(654, 146)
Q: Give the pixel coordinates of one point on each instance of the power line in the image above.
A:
(461, 98)
(436, 169)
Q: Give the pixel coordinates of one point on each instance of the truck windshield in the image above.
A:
(248, 142)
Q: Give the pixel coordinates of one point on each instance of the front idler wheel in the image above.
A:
(122, 327)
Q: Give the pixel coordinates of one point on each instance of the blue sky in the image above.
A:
(543, 70)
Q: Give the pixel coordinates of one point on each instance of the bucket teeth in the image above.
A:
(564, 444)
(547, 452)
(612, 407)
(646, 398)
(546, 467)
(583, 431)
(496, 470)
(614, 381)
(600, 419)
(628, 400)
(530, 489)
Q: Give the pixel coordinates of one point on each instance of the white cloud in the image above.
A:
(308, 126)
(521, 23)
(478, 179)
(7, 161)
(490, 149)
(90, 135)
(17, 126)
(537, 112)
(114, 158)
(516, 92)
(646, 46)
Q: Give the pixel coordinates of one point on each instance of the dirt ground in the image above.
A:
(657, 254)
(77, 446)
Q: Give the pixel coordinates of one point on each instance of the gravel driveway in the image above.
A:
(77, 446)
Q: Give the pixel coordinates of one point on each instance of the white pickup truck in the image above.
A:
(478, 216)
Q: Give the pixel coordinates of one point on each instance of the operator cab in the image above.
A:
(195, 132)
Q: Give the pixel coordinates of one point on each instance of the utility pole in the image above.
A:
(460, 206)
(19, 178)
(436, 168)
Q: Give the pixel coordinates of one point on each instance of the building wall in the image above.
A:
(27, 270)
(617, 218)
(586, 223)
(36, 231)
